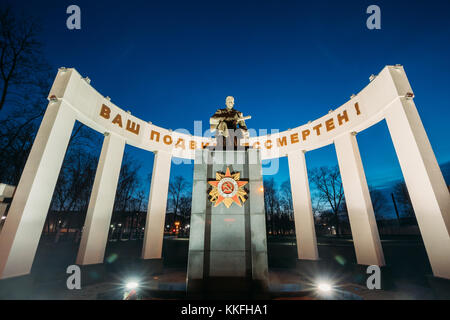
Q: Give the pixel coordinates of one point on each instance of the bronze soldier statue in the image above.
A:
(229, 125)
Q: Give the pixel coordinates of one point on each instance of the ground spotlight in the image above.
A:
(131, 290)
(130, 285)
(324, 287)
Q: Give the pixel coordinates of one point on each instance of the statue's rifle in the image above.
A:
(216, 120)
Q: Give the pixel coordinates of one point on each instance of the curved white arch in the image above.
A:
(360, 112)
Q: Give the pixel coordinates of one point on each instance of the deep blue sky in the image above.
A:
(285, 62)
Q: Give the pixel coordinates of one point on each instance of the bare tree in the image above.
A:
(128, 189)
(177, 188)
(128, 184)
(378, 202)
(20, 55)
(17, 132)
(24, 84)
(327, 181)
(73, 189)
(185, 207)
(136, 210)
(271, 201)
(402, 197)
(185, 210)
(286, 197)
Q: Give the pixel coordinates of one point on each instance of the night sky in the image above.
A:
(285, 62)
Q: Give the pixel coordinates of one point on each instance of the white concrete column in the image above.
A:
(359, 205)
(426, 186)
(6, 191)
(101, 202)
(301, 201)
(156, 212)
(21, 233)
(3, 207)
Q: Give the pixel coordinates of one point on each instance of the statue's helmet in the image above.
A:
(229, 101)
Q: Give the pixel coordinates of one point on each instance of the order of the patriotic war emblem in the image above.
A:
(228, 188)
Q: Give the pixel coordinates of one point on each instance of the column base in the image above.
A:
(440, 287)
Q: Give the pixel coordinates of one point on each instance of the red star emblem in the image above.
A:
(228, 188)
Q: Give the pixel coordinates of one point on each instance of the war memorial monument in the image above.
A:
(227, 245)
